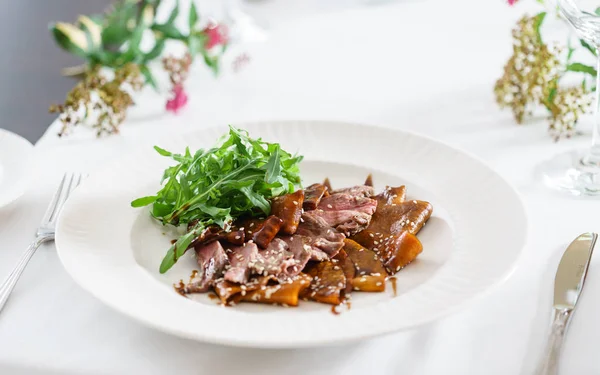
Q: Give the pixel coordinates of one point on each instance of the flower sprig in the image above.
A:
(113, 41)
(532, 76)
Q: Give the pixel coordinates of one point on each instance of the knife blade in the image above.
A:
(572, 271)
(568, 284)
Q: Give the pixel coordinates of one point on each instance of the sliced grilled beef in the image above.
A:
(347, 222)
(240, 258)
(357, 191)
(274, 260)
(347, 202)
(347, 213)
(301, 250)
(212, 260)
(289, 209)
(313, 195)
(321, 236)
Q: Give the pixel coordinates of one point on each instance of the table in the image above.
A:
(427, 66)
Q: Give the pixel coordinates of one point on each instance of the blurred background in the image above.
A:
(31, 63)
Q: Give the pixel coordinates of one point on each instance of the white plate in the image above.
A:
(15, 172)
(472, 241)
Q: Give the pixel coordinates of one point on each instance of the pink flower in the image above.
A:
(217, 35)
(178, 100)
(512, 2)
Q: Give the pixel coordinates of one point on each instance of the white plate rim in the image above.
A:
(311, 343)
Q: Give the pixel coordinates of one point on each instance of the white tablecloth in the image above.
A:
(427, 66)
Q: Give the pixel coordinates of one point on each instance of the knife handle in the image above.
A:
(548, 364)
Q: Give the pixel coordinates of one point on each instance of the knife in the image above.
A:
(568, 284)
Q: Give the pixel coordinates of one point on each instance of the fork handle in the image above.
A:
(548, 364)
(9, 284)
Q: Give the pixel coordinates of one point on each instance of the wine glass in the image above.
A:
(243, 28)
(578, 171)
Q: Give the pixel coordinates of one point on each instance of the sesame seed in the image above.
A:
(301, 220)
(378, 283)
(376, 274)
(362, 272)
(376, 242)
(397, 268)
(415, 202)
(336, 267)
(295, 203)
(237, 237)
(243, 292)
(242, 229)
(329, 206)
(251, 225)
(371, 234)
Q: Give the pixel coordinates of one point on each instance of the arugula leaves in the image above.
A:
(214, 186)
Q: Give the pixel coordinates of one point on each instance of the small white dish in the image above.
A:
(15, 160)
(471, 243)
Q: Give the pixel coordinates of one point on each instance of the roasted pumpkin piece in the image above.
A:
(229, 293)
(289, 209)
(267, 231)
(370, 273)
(398, 250)
(214, 233)
(391, 195)
(313, 195)
(285, 293)
(263, 289)
(328, 283)
(397, 217)
(342, 260)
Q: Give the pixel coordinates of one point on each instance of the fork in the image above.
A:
(45, 232)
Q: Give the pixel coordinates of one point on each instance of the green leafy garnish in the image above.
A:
(237, 177)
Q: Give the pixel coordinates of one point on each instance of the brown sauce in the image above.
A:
(213, 296)
(179, 288)
(392, 279)
(334, 311)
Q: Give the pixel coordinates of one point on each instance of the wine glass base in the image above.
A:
(572, 172)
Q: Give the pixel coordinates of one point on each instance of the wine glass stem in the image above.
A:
(594, 154)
